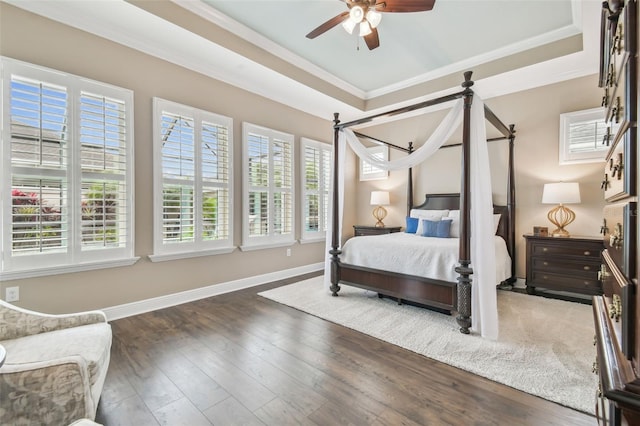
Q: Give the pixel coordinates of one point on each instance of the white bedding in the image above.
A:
(416, 255)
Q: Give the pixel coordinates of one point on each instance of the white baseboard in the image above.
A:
(147, 305)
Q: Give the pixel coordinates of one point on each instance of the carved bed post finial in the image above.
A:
(335, 227)
(467, 83)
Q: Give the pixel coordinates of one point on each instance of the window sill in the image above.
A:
(189, 254)
(312, 240)
(67, 269)
(267, 246)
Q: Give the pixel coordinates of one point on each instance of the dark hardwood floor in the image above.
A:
(240, 359)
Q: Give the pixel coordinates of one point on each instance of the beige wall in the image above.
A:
(536, 114)
(31, 38)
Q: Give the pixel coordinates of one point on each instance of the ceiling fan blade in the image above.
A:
(404, 5)
(372, 39)
(328, 25)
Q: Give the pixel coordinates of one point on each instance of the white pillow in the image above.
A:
(454, 231)
(434, 215)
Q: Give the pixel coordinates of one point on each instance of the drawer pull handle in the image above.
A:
(615, 308)
(587, 268)
(545, 263)
(587, 253)
(544, 277)
(545, 249)
(615, 239)
(603, 273)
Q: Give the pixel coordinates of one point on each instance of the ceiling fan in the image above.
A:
(366, 14)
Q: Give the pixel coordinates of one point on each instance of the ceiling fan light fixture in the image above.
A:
(374, 17)
(365, 29)
(356, 14)
(349, 25)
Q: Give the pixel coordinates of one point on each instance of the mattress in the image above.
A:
(416, 255)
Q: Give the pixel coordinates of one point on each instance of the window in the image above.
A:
(268, 196)
(67, 170)
(192, 182)
(584, 136)
(316, 176)
(370, 172)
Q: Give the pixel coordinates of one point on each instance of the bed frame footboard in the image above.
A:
(432, 293)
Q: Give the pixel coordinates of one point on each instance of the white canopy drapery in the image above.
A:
(484, 312)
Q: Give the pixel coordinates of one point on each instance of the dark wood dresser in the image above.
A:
(564, 264)
(617, 311)
(359, 230)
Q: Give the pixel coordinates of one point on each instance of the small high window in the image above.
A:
(584, 136)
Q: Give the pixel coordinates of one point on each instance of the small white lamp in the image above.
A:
(561, 193)
(379, 199)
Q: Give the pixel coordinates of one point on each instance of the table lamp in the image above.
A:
(561, 193)
(379, 199)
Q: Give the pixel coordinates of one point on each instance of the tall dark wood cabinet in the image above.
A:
(617, 311)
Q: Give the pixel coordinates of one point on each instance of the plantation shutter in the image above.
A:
(178, 173)
(103, 156)
(316, 161)
(269, 190)
(193, 174)
(215, 182)
(39, 135)
(259, 179)
(283, 187)
(586, 136)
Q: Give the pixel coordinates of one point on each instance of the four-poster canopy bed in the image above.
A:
(435, 293)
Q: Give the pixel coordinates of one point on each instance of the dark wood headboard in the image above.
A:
(452, 202)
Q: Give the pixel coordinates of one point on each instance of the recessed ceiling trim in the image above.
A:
(128, 25)
(218, 18)
(470, 63)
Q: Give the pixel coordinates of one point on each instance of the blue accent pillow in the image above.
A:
(438, 229)
(412, 225)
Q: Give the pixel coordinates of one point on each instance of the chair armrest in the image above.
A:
(18, 322)
(52, 392)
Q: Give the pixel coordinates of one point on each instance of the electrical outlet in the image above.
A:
(288, 252)
(12, 294)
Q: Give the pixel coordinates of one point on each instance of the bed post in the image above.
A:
(410, 184)
(511, 203)
(335, 227)
(464, 271)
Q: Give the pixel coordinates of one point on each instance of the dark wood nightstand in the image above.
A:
(564, 264)
(359, 230)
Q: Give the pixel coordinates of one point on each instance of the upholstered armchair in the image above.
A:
(55, 365)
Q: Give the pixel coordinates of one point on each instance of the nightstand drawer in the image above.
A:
(588, 267)
(551, 249)
(565, 282)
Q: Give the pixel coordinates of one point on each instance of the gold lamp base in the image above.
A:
(379, 213)
(561, 216)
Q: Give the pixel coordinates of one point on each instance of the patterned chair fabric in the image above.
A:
(55, 365)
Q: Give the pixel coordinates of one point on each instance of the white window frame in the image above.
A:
(323, 189)
(595, 155)
(198, 247)
(370, 172)
(75, 257)
(269, 240)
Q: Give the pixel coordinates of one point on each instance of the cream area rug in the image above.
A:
(545, 346)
